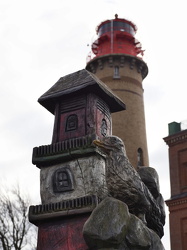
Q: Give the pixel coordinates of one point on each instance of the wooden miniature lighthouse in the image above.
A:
(116, 59)
(72, 171)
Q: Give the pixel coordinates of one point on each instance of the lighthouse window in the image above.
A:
(140, 157)
(123, 26)
(132, 31)
(116, 72)
(117, 26)
(106, 27)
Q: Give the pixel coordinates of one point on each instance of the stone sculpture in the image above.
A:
(150, 178)
(112, 227)
(92, 190)
(139, 190)
(125, 184)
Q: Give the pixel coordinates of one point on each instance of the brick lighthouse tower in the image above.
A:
(117, 62)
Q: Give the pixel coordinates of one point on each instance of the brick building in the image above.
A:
(177, 142)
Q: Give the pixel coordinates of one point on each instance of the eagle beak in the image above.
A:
(98, 143)
(101, 145)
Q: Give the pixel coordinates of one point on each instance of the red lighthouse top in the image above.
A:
(116, 36)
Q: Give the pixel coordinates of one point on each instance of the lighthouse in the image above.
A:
(116, 59)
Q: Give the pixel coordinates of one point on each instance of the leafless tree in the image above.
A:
(15, 230)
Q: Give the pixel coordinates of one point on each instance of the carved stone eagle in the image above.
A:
(124, 183)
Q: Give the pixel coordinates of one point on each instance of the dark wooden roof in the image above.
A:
(79, 82)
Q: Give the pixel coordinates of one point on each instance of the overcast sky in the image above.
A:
(42, 40)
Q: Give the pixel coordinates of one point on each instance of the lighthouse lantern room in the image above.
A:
(116, 36)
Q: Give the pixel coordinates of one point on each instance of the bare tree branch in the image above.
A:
(15, 230)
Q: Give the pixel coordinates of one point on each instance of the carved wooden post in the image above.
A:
(72, 170)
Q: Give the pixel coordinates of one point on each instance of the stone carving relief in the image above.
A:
(62, 180)
(71, 123)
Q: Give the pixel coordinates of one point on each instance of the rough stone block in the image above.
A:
(86, 176)
(107, 225)
(112, 227)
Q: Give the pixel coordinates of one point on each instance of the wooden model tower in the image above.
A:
(177, 142)
(118, 63)
(72, 170)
